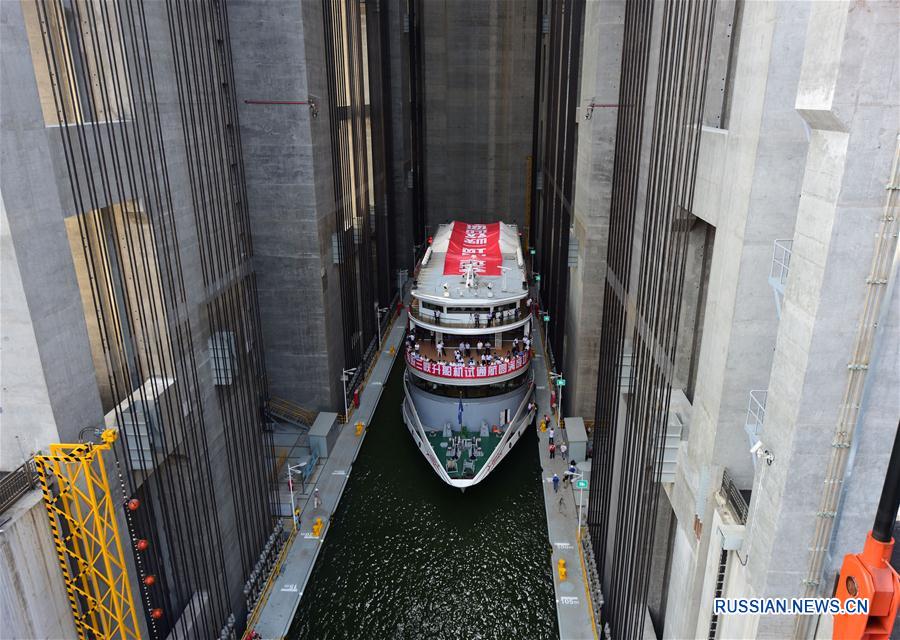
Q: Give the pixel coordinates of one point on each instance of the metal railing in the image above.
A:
(735, 499)
(467, 372)
(17, 483)
(592, 577)
(504, 319)
(781, 261)
(756, 412)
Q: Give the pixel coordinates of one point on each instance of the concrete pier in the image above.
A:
(573, 604)
(286, 588)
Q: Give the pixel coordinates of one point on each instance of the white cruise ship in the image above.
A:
(468, 381)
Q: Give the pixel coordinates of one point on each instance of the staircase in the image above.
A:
(286, 411)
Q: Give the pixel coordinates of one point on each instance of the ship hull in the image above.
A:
(433, 446)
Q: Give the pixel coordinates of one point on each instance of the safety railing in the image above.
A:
(734, 498)
(467, 372)
(17, 483)
(781, 261)
(454, 321)
(756, 413)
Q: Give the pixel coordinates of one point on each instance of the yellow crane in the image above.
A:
(86, 535)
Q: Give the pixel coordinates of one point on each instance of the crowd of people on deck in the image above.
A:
(467, 354)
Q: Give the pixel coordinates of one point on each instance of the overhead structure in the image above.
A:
(86, 535)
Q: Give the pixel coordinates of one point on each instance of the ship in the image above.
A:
(468, 384)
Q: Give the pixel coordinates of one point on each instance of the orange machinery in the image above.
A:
(869, 574)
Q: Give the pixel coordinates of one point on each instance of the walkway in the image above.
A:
(279, 608)
(573, 608)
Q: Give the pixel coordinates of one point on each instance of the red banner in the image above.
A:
(448, 370)
(475, 244)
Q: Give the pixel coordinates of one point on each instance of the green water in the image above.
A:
(409, 557)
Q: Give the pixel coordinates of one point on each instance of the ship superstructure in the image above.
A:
(468, 383)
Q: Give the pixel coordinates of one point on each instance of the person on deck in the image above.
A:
(552, 449)
(555, 483)
(551, 434)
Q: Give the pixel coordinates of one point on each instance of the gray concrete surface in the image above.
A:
(279, 55)
(601, 56)
(33, 599)
(573, 608)
(478, 108)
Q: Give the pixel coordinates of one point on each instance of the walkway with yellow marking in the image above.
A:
(574, 610)
(286, 590)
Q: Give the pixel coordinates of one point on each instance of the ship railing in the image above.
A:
(467, 372)
(453, 321)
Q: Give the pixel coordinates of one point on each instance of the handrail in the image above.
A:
(781, 260)
(466, 372)
(17, 483)
(499, 323)
(734, 498)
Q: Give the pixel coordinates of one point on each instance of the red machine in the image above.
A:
(869, 574)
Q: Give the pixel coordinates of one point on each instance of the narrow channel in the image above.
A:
(409, 557)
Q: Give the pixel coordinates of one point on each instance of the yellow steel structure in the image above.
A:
(86, 535)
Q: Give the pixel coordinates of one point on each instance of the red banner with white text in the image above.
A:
(475, 244)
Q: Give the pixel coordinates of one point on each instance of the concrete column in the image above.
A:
(601, 61)
(748, 183)
(278, 54)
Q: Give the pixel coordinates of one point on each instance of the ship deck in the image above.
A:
(429, 350)
(466, 467)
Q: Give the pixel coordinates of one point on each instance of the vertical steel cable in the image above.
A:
(128, 159)
(622, 521)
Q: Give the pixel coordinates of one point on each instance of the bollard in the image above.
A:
(561, 567)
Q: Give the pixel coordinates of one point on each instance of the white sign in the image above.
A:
(290, 588)
(570, 600)
(562, 545)
(339, 472)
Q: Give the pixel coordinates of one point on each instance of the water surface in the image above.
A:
(409, 557)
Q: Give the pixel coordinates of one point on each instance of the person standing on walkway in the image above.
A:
(317, 499)
(563, 448)
(570, 473)
(551, 434)
(480, 347)
(477, 320)
(440, 349)
(555, 483)
(552, 449)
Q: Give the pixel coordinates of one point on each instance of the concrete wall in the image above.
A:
(401, 141)
(847, 95)
(601, 60)
(33, 600)
(34, 215)
(278, 50)
(479, 92)
(28, 423)
(37, 197)
(812, 127)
